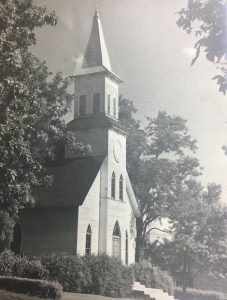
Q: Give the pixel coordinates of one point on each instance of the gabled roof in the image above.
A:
(73, 179)
(96, 53)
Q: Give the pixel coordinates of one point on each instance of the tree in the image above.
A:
(207, 20)
(158, 166)
(198, 235)
(136, 140)
(32, 105)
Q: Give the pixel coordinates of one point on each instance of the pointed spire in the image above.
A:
(96, 53)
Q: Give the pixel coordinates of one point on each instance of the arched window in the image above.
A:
(88, 241)
(82, 105)
(17, 239)
(113, 184)
(126, 247)
(116, 241)
(96, 103)
(121, 188)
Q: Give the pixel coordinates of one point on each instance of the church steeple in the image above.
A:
(96, 53)
(96, 85)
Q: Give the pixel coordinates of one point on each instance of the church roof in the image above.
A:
(73, 179)
(132, 197)
(96, 53)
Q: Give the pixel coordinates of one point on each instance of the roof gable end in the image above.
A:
(132, 197)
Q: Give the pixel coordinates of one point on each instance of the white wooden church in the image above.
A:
(91, 207)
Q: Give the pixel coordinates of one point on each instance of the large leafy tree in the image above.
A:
(32, 105)
(165, 180)
(207, 20)
(198, 235)
(158, 166)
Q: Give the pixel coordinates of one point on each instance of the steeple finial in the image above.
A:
(96, 8)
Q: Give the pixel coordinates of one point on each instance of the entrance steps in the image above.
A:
(142, 292)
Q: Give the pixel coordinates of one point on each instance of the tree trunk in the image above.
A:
(139, 240)
(184, 275)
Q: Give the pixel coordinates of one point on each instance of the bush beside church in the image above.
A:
(101, 275)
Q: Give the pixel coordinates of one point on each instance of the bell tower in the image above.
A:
(96, 85)
(96, 93)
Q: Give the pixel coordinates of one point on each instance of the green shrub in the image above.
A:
(109, 276)
(14, 265)
(144, 273)
(33, 287)
(29, 268)
(70, 271)
(128, 277)
(153, 277)
(163, 281)
(194, 294)
(102, 275)
(6, 263)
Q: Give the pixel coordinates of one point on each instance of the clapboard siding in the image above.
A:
(89, 214)
(49, 230)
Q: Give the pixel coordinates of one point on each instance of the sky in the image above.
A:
(153, 56)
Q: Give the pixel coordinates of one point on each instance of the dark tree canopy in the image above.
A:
(158, 165)
(33, 103)
(207, 21)
(166, 184)
(198, 240)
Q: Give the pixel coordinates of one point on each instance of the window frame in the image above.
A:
(121, 188)
(126, 247)
(82, 105)
(114, 108)
(96, 108)
(113, 185)
(88, 241)
(108, 104)
(116, 241)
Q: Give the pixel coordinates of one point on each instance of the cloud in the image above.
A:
(78, 62)
(189, 51)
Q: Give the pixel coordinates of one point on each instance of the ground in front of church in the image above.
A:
(66, 296)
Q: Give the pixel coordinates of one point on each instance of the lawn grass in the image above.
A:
(66, 296)
(69, 296)
(11, 296)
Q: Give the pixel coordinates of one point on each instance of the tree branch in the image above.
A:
(162, 230)
(202, 267)
(148, 221)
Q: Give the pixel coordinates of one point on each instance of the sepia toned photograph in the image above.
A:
(113, 149)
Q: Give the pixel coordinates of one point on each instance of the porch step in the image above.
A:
(142, 292)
